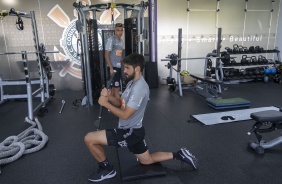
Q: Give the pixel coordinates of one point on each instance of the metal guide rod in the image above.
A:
(202, 10)
(85, 61)
(27, 52)
(179, 63)
(36, 45)
(180, 59)
(28, 85)
(218, 68)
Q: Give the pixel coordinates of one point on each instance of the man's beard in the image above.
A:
(130, 77)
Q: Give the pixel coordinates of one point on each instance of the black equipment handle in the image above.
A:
(111, 80)
(98, 121)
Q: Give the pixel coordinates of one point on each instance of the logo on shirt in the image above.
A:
(122, 104)
(140, 101)
(132, 97)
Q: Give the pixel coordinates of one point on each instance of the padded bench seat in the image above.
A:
(267, 116)
(206, 79)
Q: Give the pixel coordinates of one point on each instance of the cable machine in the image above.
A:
(134, 29)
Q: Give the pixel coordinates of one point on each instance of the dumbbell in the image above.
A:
(243, 72)
(252, 49)
(229, 50)
(241, 49)
(226, 72)
(254, 60)
(233, 62)
(246, 50)
(260, 59)
(244, 60)
(235, 48)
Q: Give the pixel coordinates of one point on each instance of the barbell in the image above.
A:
(174, 58)
(27, 52)
(41, 51)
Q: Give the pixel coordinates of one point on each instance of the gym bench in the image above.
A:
(271, 120)
(207, 87)
(206, 79)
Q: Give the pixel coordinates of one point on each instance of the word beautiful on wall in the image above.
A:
(230, 38)
(212, 38)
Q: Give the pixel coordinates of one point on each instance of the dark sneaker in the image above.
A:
(187, 157)
(102, 174)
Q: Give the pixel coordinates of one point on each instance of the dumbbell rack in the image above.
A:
(248, 70)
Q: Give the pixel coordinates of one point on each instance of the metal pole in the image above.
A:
(218, 68)
(1, 90)
(139, 31)
(179, 62)
(142, 26)
(28, 86)
(152, 31)
(85, 63)
(36, 45)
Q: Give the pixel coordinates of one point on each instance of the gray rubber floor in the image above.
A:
(221, 149)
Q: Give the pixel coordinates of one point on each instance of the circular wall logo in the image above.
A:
(69, 42)
(70, 60)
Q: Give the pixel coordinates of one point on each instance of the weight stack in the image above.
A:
(151, 74)
(130, 31)
(94, 58)
(106, 34)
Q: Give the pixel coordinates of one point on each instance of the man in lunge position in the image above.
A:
(130, 108)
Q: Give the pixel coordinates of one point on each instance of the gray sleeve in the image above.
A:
(109, 44)
(123, 45)
(137, 96)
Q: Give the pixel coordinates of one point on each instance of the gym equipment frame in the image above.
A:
(207, 87)
(83, 13)
(46, 90)
(32, 139)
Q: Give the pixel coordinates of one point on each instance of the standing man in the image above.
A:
(130, 108)
(113, 56)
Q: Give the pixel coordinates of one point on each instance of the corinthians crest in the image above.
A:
(69, 42)
(70, 59)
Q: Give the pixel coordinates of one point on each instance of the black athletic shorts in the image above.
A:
(116, 81)
(135, 142)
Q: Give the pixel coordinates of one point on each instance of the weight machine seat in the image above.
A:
(267, 116)
(206, 79)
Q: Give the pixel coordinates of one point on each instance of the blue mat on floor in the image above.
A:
(228, 103)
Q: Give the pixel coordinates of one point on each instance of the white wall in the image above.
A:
(199, 28)
(279, 30)
(172, 15)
